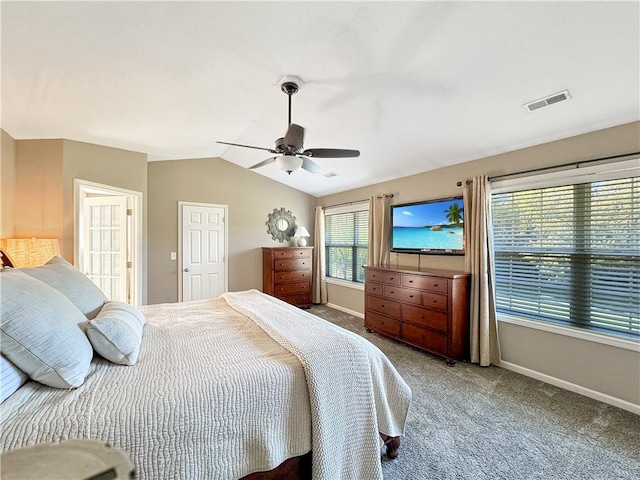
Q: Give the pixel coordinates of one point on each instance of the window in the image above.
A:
(569, 253)
(346, 239)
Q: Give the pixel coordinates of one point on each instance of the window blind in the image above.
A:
(570, 254)
(346, 239)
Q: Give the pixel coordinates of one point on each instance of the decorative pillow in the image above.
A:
(77, 287)
(41, 331)
(116, 333)
(11, 378)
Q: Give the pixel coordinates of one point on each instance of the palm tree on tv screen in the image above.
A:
(454, 214)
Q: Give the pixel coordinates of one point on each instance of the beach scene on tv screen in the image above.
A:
(433, 225)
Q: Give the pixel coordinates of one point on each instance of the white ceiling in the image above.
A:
(414, 86)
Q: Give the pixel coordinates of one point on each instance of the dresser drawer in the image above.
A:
(425, 317)
(427, 283)
(298, 299)
(380, 323)
(425, 338)
(292, 264)
(286, 288)
(382, 277)
(383, 305)
(373, 288)
(291, 253)
(292, 276)
(435, 300)
(402, 294)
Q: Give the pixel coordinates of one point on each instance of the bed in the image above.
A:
(221, 388)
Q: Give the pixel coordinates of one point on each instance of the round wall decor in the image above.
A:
(281, 224)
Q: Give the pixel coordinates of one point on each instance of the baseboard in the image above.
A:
(346, 310)
(587, 392)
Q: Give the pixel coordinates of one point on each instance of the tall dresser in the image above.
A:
(287, 274)
(428, 309)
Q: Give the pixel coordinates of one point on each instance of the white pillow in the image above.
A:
(73, 284)
(11, 378)
(41, 331)
(116, 333)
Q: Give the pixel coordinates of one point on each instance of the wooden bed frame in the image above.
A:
(4, 258)
(299, 468)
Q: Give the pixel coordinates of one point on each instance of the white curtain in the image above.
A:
(378, 252)
(484, 345)
(319, 282)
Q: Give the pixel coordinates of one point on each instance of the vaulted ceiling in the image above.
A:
(413, 85)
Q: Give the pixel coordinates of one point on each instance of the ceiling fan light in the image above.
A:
(289, 163)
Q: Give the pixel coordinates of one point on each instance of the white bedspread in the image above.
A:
(354, 389)
(209, 386)
(212, 396)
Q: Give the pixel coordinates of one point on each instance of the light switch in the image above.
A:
(173, 256)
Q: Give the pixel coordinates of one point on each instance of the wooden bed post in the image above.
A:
(393, 445)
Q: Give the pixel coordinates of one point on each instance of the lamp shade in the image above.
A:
(301, 232)
(289, 163)
(30, 252)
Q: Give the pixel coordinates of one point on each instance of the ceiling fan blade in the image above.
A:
(294, 137)
(247, 146)
(309, 165)
(331, 153)
(263, 163)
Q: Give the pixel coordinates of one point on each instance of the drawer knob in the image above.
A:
(435, 301)
(410, 296)
(435, 284)
(391, 292)
(410, 281)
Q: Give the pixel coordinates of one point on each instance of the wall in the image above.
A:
(7, 184)
(38, 199)
(44, 182)
(107, 166)
(582, 365)
(250, 197)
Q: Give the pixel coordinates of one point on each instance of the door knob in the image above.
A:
(186, 269)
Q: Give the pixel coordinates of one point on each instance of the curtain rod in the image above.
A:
(576, 164)
(390, 195)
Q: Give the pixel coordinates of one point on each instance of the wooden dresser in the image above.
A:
(287, 274)
(428, 309)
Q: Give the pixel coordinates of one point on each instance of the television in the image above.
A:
(432, 227)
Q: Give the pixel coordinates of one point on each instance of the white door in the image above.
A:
(204, 270)
(105, 245)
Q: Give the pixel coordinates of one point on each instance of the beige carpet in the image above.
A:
(471, 422)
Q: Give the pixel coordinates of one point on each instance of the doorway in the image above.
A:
(108, 239)
(203, 269)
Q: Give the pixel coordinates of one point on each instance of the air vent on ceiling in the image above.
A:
(331, 174)
(550, 100)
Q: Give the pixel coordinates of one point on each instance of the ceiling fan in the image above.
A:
(289, 150)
